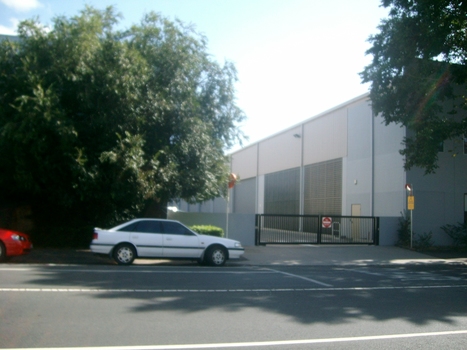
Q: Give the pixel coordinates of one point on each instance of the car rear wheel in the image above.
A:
(124, 254)
(2, 252)
(216, 256)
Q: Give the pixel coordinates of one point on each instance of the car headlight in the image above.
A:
(238, 245)
(16, 237)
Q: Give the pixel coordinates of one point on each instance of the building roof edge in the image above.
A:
(319, 115)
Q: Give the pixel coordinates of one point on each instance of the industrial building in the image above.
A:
(343, 162)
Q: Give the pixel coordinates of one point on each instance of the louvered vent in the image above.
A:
(323, 188)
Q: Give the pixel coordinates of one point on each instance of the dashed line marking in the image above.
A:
(407, 275)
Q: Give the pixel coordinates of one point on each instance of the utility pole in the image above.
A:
(411, 207)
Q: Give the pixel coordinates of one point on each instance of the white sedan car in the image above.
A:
(166, 239)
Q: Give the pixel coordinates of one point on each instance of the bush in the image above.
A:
(423, 241)
(458, 233)
(403, 230)
(419, 241)
(208, 230)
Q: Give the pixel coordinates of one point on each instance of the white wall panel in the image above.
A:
(244, 162)
(389, 175)
(280, 152)
(326, 137)
(359, 172)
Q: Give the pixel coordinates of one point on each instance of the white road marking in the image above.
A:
(303, 278)
(243, 290)
(262, 343)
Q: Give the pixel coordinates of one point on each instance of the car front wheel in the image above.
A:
(216, 256)
(124, 254)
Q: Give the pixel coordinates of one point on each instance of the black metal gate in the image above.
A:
(316, 229)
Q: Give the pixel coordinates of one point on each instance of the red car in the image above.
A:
(13, 243)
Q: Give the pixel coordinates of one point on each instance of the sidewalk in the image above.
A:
(259, 256)
(338, 255)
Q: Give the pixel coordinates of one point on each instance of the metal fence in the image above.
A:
(316, 229)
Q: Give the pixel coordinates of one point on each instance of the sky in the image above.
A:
(295, 58)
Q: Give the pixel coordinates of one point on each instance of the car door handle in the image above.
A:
(168, 239)
(135, 236)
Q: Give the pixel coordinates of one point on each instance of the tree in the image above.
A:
(99, 125)
(418, 74)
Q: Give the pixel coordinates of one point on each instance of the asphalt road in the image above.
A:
(254, 307)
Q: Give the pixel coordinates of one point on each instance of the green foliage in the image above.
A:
(97, 125)
(403, 230)
(419, 241)
(423, 241)
(458, 233)
(418, 74)
(208, 230)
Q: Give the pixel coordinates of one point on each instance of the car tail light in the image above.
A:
(95, 235)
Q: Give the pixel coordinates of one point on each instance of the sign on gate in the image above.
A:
(326, 222)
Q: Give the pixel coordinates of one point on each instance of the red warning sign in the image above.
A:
(326, 222)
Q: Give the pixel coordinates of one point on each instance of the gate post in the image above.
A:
(257, 230)
(376, 230)
(319, 228)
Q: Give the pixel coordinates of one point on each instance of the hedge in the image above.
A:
(208, 230)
